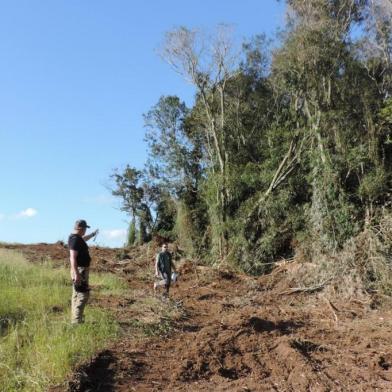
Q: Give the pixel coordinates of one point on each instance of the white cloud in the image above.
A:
(2, 216)
(27, 213)
(115, 234)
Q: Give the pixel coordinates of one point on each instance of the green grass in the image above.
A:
(108, 284)
(38, 346)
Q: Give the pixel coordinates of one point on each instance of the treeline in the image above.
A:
(283, 148)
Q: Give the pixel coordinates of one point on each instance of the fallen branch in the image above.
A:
(279, 264)
(333, 308)
(306, 289)
(215, 356)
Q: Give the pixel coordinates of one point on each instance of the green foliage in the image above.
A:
(386, 112)
(142, 235)
(278, 148)
(374, 185)
(128, 189)
(185, 230)
(136, 196)
(166, 212)
(131, 237)
(170, 151)
(331, 218)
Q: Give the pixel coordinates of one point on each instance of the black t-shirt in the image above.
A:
(75, 242)
(165, 262)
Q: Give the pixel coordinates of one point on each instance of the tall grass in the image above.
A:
(38, 346)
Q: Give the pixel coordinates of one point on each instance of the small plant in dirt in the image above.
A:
(154, 316)
(160, 328)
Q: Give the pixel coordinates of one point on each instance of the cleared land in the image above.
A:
(223, 331)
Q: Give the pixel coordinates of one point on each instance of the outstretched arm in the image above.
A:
(91, 235)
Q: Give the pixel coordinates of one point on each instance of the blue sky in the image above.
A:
(76, 77)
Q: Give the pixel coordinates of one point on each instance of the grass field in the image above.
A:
(38, 346)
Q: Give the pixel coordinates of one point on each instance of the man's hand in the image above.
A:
(75, 276)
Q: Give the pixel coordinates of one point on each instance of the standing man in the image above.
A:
(80, 262)
(163, 268)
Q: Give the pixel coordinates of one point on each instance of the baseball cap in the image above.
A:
(81, 223)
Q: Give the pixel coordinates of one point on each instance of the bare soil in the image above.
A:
(234, 333)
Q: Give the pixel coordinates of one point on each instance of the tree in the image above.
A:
(209, 64)
(175, 161)
(312, 69)
(277, 149)
(174, 155)
(128, 189)
(135, 197)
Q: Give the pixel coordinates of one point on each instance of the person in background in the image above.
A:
(80, 259)
(163, 269)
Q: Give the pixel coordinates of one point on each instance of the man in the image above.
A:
(163, 268)
(80, 262)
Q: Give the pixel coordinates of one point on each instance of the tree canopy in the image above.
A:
(281, 147)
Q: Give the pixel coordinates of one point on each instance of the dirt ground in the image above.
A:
(234, 333)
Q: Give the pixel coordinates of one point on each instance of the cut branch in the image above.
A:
(310, 289)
